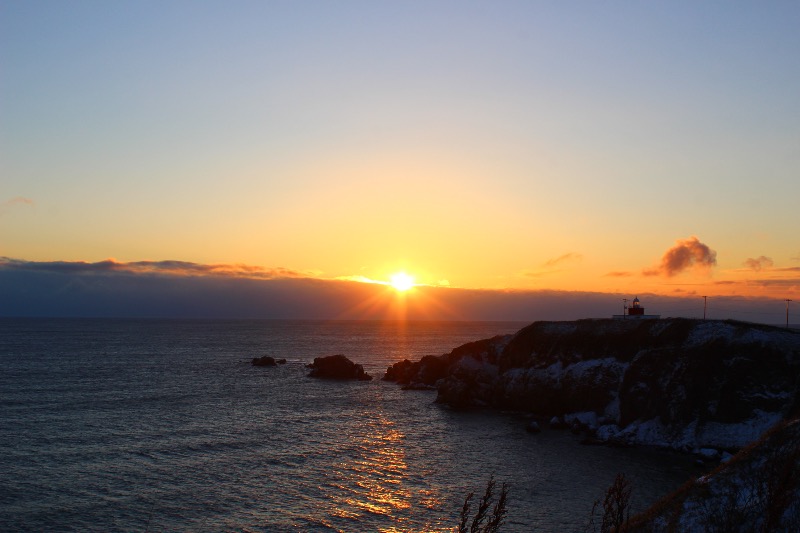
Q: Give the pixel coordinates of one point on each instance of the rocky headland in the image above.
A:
(709, 387)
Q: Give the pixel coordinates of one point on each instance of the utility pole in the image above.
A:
(787, 312)
(625, 307)
(705, 306)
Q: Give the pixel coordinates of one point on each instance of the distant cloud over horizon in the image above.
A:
(686, 254)
(167, 267)
(178, 289)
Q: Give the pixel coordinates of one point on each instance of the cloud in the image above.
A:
(618, 274)
(9, 204)
(536, 273)
(568, 257)
(758, 263)
(547, 267)
(686, 254)
(168, 267)
(359, 278)
(113, 289)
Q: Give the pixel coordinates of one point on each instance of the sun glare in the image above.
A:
(401, 281)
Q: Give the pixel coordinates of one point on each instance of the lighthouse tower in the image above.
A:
(635, 310)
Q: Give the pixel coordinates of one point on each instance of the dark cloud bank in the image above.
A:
(109, 289)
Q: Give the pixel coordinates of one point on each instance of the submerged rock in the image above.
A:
(337, 367)
(533, 427)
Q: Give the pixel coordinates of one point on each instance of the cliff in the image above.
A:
(758, 489)
(693, 385)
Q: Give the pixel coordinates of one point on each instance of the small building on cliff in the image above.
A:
(635, 311)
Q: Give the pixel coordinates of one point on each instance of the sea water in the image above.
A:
(164, 425)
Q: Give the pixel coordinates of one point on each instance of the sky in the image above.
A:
(602, 148)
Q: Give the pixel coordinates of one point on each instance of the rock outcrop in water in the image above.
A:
(337, 367)
(431, 369)
(678, 383)
(266, 360)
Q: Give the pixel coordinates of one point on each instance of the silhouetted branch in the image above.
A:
(498, 511)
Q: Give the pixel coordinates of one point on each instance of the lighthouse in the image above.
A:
(636, 308)
(634, 311)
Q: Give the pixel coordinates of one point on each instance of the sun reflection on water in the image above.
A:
(373, 478)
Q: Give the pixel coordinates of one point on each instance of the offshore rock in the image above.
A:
(677, 383)
(264, 361)
(337, 367)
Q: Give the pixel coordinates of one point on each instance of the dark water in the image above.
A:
(148, 425)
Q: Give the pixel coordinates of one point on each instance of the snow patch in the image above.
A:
(707, 331)
(586, 418)
(719, 435)
(607, 432)
(581, 368)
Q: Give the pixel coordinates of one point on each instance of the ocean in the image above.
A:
(164, 425)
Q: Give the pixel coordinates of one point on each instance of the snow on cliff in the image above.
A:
(678, 383)
(756, 490)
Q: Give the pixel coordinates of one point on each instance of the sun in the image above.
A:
(401, 281)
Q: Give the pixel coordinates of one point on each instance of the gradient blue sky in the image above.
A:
(508, 145)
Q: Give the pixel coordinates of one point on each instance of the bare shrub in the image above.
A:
(495, 519)
(616, 507)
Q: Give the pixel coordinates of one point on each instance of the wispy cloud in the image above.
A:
(9, 204)
(168, 267)
(686, 254)
(758, 263)
(568, 257)
(360, 279)
(619, 274)
(549, 267)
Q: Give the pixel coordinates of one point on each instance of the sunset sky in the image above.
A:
(612, 147)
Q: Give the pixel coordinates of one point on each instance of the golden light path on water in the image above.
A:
(376, 480)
